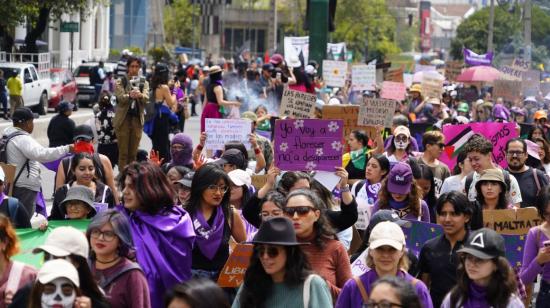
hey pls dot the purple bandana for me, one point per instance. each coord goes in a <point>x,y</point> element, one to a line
<point>209,237</point>
<point>372,191</point>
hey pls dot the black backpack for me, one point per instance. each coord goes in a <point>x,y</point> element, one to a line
<point>94,75</point>
<point>4,152</point>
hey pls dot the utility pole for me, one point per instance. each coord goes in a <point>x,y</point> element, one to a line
<point>275,21</point>
<point>527,31</point>
<point>491,25</point>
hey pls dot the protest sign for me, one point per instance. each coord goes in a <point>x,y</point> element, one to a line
<point>258,181</point>
<point>232,274</point>
<point>512,221</point>
<point>32,238</point>
<point>363,77</point>
<point>221,131</point>
<point>473,59</point>
<point>297,104</point>
<point>456,137</point>
<point>545,89</point>
<point>376,111</point>
<point>467,94</point>
<point>308,144</point>
<point>432,85</point>
<point>393,90</point>
<point>334,73</point>
<point>418,232</point>
<point>348,114</point>
<point>9,172</point>
<point>530,84</point>
<point>336,51</point>
<point>296,45</point>
<point>424,68</point>
<point>359,266</point>
<point>509,90</point>
<point>395,75</point>
<point>453,69</point>
<point>515,71</point>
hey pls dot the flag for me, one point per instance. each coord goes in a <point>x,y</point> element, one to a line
<point>455,145</point>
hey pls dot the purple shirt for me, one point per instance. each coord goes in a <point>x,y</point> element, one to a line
<point>530,268</point>
<point>398,206</point>
<point>350,296</point>
<point>477,298</point>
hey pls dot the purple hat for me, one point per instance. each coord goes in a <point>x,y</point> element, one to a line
<point>500,112</point>
<point>185,156</point>
<point>400,179</point>
<point>276,59</point>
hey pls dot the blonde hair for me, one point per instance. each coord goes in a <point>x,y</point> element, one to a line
<point>403,263</point>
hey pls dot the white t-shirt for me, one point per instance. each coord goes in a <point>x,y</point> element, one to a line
<point>514,195</point>
<point>452,183</point>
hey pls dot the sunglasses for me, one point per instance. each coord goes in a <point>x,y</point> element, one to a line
<point>271,251</point>
<point>300,210</point>
<point>441,144</point>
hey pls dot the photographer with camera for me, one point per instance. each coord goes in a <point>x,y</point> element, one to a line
<point>132,93</point>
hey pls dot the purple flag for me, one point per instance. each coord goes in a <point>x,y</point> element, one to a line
<point>305,145</point>
<point>473,59</point>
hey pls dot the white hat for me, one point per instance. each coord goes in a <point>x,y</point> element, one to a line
<point>293,61</point>
<point>58,268</point>
<point>530,99</point>
<point>462,120</point>
<point>240,177</point>
<point>387,233</point>
<point>2,174</point>
<point>64,241</point>
<point>127,52</point>
<point>205,68</point>
<point>310,70</point>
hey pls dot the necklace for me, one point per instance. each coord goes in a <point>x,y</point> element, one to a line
<point>107,262</point>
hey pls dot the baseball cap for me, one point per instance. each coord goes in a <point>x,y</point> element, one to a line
<point>234,157</point>
<point>463,107</point>
<point>65,106</point>
<point>416,88</point>
<point>400,179</point>
<point>387,233</point>
<point>250,116</point>
<point>161,68</point>
<point>310,70</point>
<point>83,132</point>
<point>240,177</point>
<point>187,179</point>
<point>79,193</point>
<point>64,241</point>
<point>127,52</point>
<point>267,67</point>
<point>540,114</point>
<point>23,114</point>
<point>402,130</point>
<point>276,59</point>
<point>386,215</point>
<point>58,268</point>
<point>484,244</point>
<point>2,175</point>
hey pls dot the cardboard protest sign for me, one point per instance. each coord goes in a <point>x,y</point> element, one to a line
<point>432,86</point>
<point>395,75</point>
<point>308,144</point>
<point>363,77</point>
<point>456,137</point>
<point>515,71</point>
<point>9,172</point>
<point>418,232</point>
<point>334,73</point>
<point>509,90</point>
<point>453,69</point>
<point>512,221</point>
<point>530,84</point>
<point>258,181</point>
<point>376,111</point>
<point>393,90</point>
<point>221,131</point>
<point>467,94</point>
<point>348,114</point>
<point>297,104</point>
<point>32,238</point>
<point>232,274</point>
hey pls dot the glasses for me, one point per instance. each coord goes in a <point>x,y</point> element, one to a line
<point>440,145</point>
<point>300,210</point>
<point>221,189</point>
<point>275,213</point>
<point>271,251</point>
<point>474,260</point>
<point>515,153</point>
<point>382,304</point>
<point>107,235</point>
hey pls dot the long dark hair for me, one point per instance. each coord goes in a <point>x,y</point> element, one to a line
<point>459,160</point>
<point>77,158</point>
<point>121,227</point>
<point>321,227</point>
<point>545,148</point>
<point>35,298</point>
<point>502,203</point>
<point>257,283</point>
<point>160,77</point>
<point>413,198</point>
<point>206,175</point>
<point>403,289</point>
<point>198,293</point>
<point>289,179</point>
<point>384,164</point>
<point>427,174</point>
<point>501,285</point>
<point>533,129</point>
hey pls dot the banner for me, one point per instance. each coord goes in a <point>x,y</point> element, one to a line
<point>308,144</point>
<point>232,274</point>
<point>432,86</point>
<point>297,104</point>
<point>220,131</point>
<point>418,232</point>
<point>393,90</point>
<point>363,76</point>
<point>473,59</point>
<point>509,90</point>
<point>348,114</point>
<point>512,221</point>
<point>453,69</point>
<point>297,47</point>
<point>456,137</point>
<point>376,111</point>
<point>334,73</point>
<point>32,238</point>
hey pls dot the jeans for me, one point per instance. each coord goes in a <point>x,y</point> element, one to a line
<point>543,299</point>
<point>198,273</point>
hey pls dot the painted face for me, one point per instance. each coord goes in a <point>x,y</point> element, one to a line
<point>384,294</point>
<point>301,183</point>
<point>303,215</point>
<point>451,221</point>
<point>77,209</point>
<point>213,195</point>
<point>104,241</point>
<point>273,259</point>
<point>386,258</point>
<point>479,270</point>
<point>60,293</point>
<point>490,190</point>
<point>373,172</point>
<point>401,142</point>
<point>129,195</point>
<point>84,172</point>
<point>270,209</point>
<point>479,161</point>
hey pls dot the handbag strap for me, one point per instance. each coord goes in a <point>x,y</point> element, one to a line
<point>362,289</point>
<point>307,287</point>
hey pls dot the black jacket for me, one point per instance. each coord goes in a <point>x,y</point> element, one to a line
<point>60,130</point>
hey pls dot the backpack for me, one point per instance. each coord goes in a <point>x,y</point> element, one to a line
<point>94,76</point>
<point>4,153</point>
<point>105,282</point>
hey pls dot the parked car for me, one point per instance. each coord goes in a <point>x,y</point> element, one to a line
<point>86,91</point>
<point>36,88</point>
<point>63,87</point>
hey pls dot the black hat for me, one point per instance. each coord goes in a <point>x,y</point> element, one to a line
<point>187,179</point>
<point>268,67</point>
<point>161,68</point>
<point>386,215</point>
<point>485,244</point>
<point>65,106</point>
<point>277,231</point>
<point>83,132</point>
<point>234,157</point>
<point>23,114</point>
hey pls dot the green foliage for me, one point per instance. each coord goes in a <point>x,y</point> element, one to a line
<point>159,54</point>
<point>136,50</point>
<point>114,52</point>
<point>178,23</point>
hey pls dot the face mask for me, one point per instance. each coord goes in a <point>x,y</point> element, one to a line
<point>181,157</point>
<point>57,297</point>
<point>400,145</point>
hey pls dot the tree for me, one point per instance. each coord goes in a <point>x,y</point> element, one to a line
<point>178,23</point>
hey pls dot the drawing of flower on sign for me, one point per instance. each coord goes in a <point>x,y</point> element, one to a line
<point>283,147</point>
<point>299,124</point>
<point>333,126</point>
<point>336,145</point>
<point>310,166</point>
<point>319,152</point>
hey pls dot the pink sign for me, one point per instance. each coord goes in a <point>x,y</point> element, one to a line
<point>456,137</point>
<point>393,90</point>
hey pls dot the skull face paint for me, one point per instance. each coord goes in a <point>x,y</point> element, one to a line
<point>59,293</point>
<point>401,142</point>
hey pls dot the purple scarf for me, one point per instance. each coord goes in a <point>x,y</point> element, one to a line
<point>477,297</point>
<point>209,237</point>
<point>372,191</point>
<point>2,197</point>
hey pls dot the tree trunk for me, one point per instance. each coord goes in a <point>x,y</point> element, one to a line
<point>37,30</point>
<point>7,43</point>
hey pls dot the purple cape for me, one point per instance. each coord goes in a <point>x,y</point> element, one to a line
<point>164,244</point>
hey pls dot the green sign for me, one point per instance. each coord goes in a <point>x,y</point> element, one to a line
<point>71,26</point>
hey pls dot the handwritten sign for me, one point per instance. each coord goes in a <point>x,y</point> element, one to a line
<point>457,135</point>
<point>334,73</point>
<point>510,221</point>
<point>221,131</point>
<point>9,172</point>
<point>297,104</point>
<point>376,111</point>
<point>363,77</point>
<point>359,266</point>
<point>393,90</point>
<point>308,144</point>
<point>395,75</point>
<point>232,274</point>
<point>453,69</point>
<point>509,90</point>
<point>514,71</point>
<point>348,114</point>
<point>432,86</point>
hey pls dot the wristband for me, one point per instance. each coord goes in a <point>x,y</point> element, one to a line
<point>257,151</point>
<point>199,147</point>
<point>345,188</point>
